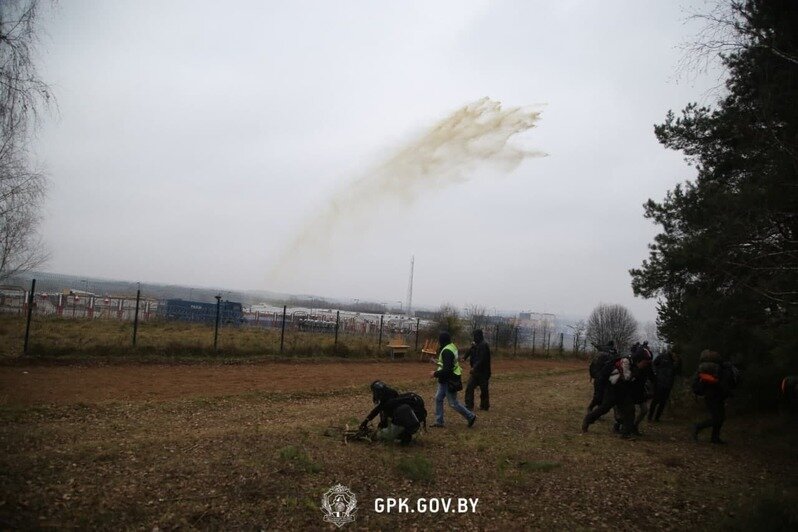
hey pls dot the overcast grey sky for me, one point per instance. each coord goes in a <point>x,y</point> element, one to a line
<point>194,139</point>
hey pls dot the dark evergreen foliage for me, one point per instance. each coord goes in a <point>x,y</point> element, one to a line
<point>725,264</point>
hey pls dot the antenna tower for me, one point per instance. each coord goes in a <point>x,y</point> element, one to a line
<point>409,307</point>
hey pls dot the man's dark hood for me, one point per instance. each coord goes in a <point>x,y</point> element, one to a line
<point>444,339</point>
<point>479,336</point>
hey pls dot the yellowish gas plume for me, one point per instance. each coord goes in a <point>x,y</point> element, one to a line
<point>474,137</point>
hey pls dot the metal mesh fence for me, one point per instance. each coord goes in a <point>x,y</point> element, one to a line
<point>91,320</point>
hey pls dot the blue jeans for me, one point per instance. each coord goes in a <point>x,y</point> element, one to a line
<point>444,393</point>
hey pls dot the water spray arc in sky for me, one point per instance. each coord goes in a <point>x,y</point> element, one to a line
<point>473,137</point>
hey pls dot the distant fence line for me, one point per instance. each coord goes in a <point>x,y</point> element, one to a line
<point>383,328</point>
<point>82,306</point>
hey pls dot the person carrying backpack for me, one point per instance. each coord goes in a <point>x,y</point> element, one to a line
<point>640,386</point>
<point>401,415</point>
<point>789,393</point>
<point>665,370</point>
<point>613,381</point>
<point>604,354</point>
<point>715,380</point>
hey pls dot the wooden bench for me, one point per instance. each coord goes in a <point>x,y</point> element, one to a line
<point>398,347</point>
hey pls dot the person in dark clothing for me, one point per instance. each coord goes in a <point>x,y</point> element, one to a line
<point>614,382</point>
<point>789,394</point>
<point>715,395</point>
<point>665,369</point>
<point>639,387</point>
<point>605,354</point>
<point>398,420</point>
<point>479,359</point>
<point>449,373</point>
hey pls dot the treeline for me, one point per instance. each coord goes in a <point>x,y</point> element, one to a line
<point>725,263</point>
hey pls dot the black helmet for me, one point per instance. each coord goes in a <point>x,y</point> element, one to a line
<point>381,391</point>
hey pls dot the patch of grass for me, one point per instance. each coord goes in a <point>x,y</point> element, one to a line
<point>767,512</point>
<point>415,467</point>
<point>298,458</point>
<point>673,461</point>
<point>538,465</point>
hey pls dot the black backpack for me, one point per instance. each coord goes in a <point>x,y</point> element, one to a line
<point>417,404</point>
<point>597,363</point>
<point>698,386</point>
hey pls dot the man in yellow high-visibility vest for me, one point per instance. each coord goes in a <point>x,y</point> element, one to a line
<point>450,382</point>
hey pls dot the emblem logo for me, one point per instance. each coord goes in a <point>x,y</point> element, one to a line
<point>339,505</point>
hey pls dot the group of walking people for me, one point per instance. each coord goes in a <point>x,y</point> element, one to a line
<point>627,383</point>
<point>634,386</point>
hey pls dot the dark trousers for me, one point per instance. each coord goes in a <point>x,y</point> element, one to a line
<point>661,396</point>
<point>474,381</point>
<point>717,415</point>
<point>598,391</point>
<point>614,398</point>
<point>405,417</point>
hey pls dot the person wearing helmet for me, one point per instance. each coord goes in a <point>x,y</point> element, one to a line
<point>398,419</point>
<point>449,373</point>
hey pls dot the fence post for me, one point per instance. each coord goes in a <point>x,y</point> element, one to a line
<point>30,315</point>
<point>515,341</point>
<point>282,331</point>
<point>418,324</point>
<point>496,338</point>
<point>562,338</point>
<point>337,320</point>
<point>136,317</point>
<point>533,341</point>
<point>216,327</point>
<point>379,342</point>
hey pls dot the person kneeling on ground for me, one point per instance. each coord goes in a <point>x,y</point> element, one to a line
<point>399,413</point>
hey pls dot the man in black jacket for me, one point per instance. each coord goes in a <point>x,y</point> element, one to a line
<point>665,371</point>
<point>479,358</point>
<point>398,420</point>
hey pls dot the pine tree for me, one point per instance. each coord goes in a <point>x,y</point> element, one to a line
<point>725,265</point>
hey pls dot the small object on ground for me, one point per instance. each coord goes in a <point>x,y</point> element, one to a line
<point>360,433</point>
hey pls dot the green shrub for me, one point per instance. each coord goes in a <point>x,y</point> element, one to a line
<point>298,458</point>
<point>415,467</point>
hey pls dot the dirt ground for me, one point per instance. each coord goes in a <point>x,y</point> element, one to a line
<point>92,383</point>
<point>256,446</point>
